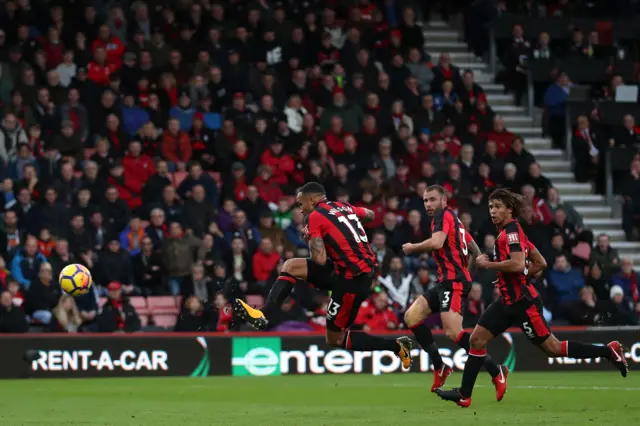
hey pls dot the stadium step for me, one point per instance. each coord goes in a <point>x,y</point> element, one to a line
<point>595,212</point>
<point>500,99</point>
<point>517,121</point>
<point>458,57</point>
<point>553,165</point>
<point>615,235</point>
<point>560,177</point>
<point>509,109</point>
<point>583,200</point>
<point>574,188</point>
<point>444,46</point>
<point>607,223</point>
<point>538,144</point>
<point>526,132</point>
<point>546,154</point>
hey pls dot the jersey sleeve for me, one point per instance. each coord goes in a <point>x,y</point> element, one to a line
<point>315,225</point>
<point>467,235</point>
<point>513,239</point>
<point>442,222</point>
<point>359,211</point>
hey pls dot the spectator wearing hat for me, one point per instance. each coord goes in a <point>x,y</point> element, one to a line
<point>118,315</point>
<point>625,311</point>
<point>176,146</point>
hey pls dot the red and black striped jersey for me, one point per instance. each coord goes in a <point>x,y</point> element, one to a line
<point>346,242</point>
<point>514,286</point>
<point>452,259</point>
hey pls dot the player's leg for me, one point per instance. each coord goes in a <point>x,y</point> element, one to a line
<point>453,297</point>
<point>535,327</point>
<point>414,318</point>
<point>493,322</point>
<point>292,270</point>
<point>341,313</point>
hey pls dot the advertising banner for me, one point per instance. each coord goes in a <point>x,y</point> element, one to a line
<point>108,356</point>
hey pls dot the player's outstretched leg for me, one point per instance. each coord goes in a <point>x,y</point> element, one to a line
<point>360,341</point>
<point>292,270</point>
<point>414,319</point>
<point>613,351</point>
<point>498,373</point>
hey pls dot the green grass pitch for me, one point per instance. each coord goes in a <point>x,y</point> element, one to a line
<point>533,399</point>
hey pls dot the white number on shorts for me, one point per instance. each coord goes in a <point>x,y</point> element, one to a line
<point>347,220</point>
<point>332,309</point>
<point>527,329</point>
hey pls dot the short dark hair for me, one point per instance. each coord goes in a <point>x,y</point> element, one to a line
<point>312,188</point>
<point>511,200</point>
<point>437,188</point>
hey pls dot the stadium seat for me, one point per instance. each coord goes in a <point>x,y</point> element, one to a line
<point>162,305</point>
<point>178,301</point>
<point>178,177</point>
<point>165,320</point>
<point>255,300</point>
<point>144,320</point>
<point>140,305</point>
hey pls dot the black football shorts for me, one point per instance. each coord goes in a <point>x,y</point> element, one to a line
<point>527,314</point>
<point>346,297</point>
<point>448,296</point>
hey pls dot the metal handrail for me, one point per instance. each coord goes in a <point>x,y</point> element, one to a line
<point>609,178</point>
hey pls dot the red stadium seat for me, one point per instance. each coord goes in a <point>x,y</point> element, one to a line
<point>255,300</point>
<point>178,177</point>
<point>140,305</point>
<point>165,320</point>
<point>162,305</point>
<point>179,301</point>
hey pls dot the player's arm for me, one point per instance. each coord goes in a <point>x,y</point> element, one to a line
<point>442,222</point>
<point>517,260</point>
<point>316,243</point>
<point>537,263</point>
<point>365,215</point>
<point>474,252</point>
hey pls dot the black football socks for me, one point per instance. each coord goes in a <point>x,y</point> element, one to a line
<point>424,338</point>
<point>359,341</point>
<point>491,367</point>
<point>584,350</point>
<point>472,367</point>
<point>280,290</point>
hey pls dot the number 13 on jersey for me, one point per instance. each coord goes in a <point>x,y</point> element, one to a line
<point>350,221</point>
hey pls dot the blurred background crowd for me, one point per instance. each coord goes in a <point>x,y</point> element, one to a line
<point>160,143</point>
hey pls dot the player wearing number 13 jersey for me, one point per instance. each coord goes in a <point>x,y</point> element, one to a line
<point>450,246</point>
<point>519,302</point>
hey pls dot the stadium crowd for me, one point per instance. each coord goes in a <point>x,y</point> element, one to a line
<point>161,145</point>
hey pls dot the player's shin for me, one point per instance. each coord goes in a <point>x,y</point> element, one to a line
<point>491,367</point>
<point>424,337</point>
<point>360,341</point>
<point>472,367</point>
<point>584,350</point>
<point>280,290</point>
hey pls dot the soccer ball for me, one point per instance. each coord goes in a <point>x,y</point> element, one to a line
<point>75,279</point>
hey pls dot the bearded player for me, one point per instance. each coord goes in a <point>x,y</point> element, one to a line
<point>336,233</point>
<point>453,249</point>
<point>519,303</point>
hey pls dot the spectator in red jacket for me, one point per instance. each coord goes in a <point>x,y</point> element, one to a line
<point>334,136</point>
<point>264,262</point>
<point>53,48</point>
<point>98,70</point>
<point>137,165</point>
<point>413,159</point>
<point>448,135</point>
<point>176,146</point>
<point>376,315</point>
<point>129,188</point>
<point>539,208</point>
<point>112,44</point>
<point>280,162</point>
<point>502,137</point>
<point>268,187</point>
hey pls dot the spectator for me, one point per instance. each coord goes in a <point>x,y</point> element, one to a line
<point>596,280</point>
<point>626,135</point>
<point>627,279</point>
<point>114,265</point>
<point>175,146</point>
<point>26,264</point>
<point>269,229</point>
<point>148,268</point>
<point>198,284</point>
<point>118,315</point>
<point>376,315</point>
<point>43,295</point>
<point>606,256</point>
<point>513,58</point>
<point>625,311</point>
<point>540,183</point>
<point>587,310</point>
<point>565,281</point>
<point>264,261</point>
<point>243,229</point>
<point>502,137</point>
<point>555,99</point>
<point>12,319</point>
<point>554,202</point>
<point>11,135</point>
<point>198,177</point>
<point>631,207</point>
<point>61,256</point>
<point>131,236</point>
<point>194,316</point>
<point>399,284</point>
<point>179,252</point>
<point>588,150</point>
<point>66,315</point>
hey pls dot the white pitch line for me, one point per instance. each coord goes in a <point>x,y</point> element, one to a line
<point>589,388</point>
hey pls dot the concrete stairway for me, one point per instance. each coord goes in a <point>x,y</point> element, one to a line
<point>598,215</point>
